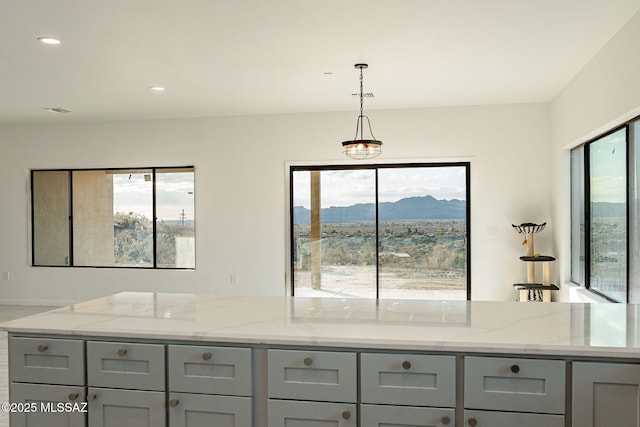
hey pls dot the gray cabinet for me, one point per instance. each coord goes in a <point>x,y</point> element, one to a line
<point>515,385</point>
<point>406,416</point>
<point>474,418</point>
<point>286,413</point>
<point>126,384</point>
<point>42,373</point>
<point>210,386</point>
<point>425,382</point>
<point>201,410</point>
<point>310,388</point>
<point>210,370</point>
<point>508,392</point>
<point>46,360</point>
<point>408,379</point>
<point>606,394</point>
<point>126,408</point>
<point>329,376</point>
<point>125,365</point>
<point>55,405</point>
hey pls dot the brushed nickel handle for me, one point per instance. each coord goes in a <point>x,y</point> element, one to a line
<point>346,415</point>
<point>121,352</point>
<point>308,361</point>
<point>42,348</point>
<point>472,422</point>
<point>515,369</point>
<point>73,396</point>
<point>206,356</point>
<point>446,420</point>
<point>406,365</point>
<point>173,403</point>
<point>91,397</point>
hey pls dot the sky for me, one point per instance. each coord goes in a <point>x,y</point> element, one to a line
<point>608,168</point>
<point>174,192</point>
<point>349,187</point>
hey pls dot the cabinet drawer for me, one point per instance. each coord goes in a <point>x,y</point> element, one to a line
<point>48,361</point>
<point>406,416</point>
<point>111,407</point>
<point>192,410</point>
<point>312,375</point>
<point>408,379</point>
<point>511,419</point>
<point>210,370</point>
<point>287,413</point>
<point>125,365</point>
<point>522,385</point>
<point>47,397</point>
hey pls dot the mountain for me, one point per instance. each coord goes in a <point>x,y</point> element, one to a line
<point>411,208</point>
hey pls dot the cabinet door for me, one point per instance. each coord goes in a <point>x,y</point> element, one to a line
<point>210,370</point>
<point>408,379</point>
<point>47,398</point>
<point>516,385</point>
<point>198,410</point>
<point>290,413</point>
<point>329,376</point>
<point>48,361</point>
<point>125,365</point>
<point>606,394</point>
<point>406,416</point>
<point>126,408</point>
<point>511,419</point>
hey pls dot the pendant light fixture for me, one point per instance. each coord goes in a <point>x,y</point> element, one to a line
<point>360,148</point>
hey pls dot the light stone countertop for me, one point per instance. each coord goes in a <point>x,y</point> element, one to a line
<point>562,329</point>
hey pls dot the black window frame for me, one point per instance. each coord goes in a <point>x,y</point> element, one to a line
<point>71,213</point>
<point>376,167</point>
<point>586,165</point>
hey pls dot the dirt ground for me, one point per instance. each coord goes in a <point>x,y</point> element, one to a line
<point>398,283</point>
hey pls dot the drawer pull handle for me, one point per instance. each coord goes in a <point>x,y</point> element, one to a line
<point>173,403</point>
<point>121,352</point>
<point>73,396</point>
<point>91,397</point>
<point>406,365</point>
<point>42,348</point>
<point>308,361</point>
<point>515,369</point>
<point>446,420</point>
<point>206,356</point>
<point>472,422</point>
<point>346,415</point>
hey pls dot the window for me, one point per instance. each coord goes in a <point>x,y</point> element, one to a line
<point>140,218</point>
<point>381,231</point>
<point>604,214</point>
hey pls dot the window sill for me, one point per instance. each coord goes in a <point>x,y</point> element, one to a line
<point>577,293</point>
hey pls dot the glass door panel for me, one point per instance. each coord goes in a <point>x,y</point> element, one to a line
<point>423,232</point>
<point>334,233</point>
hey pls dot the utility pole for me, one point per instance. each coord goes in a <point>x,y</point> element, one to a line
<point>182,216</point>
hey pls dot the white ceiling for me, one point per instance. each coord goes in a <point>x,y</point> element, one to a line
<point>238,57</point>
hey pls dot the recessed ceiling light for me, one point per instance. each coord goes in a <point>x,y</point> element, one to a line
<point>49,40</point>
<point>157,88</point>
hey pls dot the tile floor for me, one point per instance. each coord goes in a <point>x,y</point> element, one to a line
<point>10,312</point>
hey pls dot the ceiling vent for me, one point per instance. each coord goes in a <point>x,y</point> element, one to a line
<point>57,110</point>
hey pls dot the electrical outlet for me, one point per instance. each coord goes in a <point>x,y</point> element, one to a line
<point>234,278</point>
<point>5,275</point>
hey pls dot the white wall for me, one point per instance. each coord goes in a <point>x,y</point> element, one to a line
<point>603,95</point>
<point>241,196</point>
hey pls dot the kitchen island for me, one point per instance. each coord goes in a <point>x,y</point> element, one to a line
<point>162,359</point>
